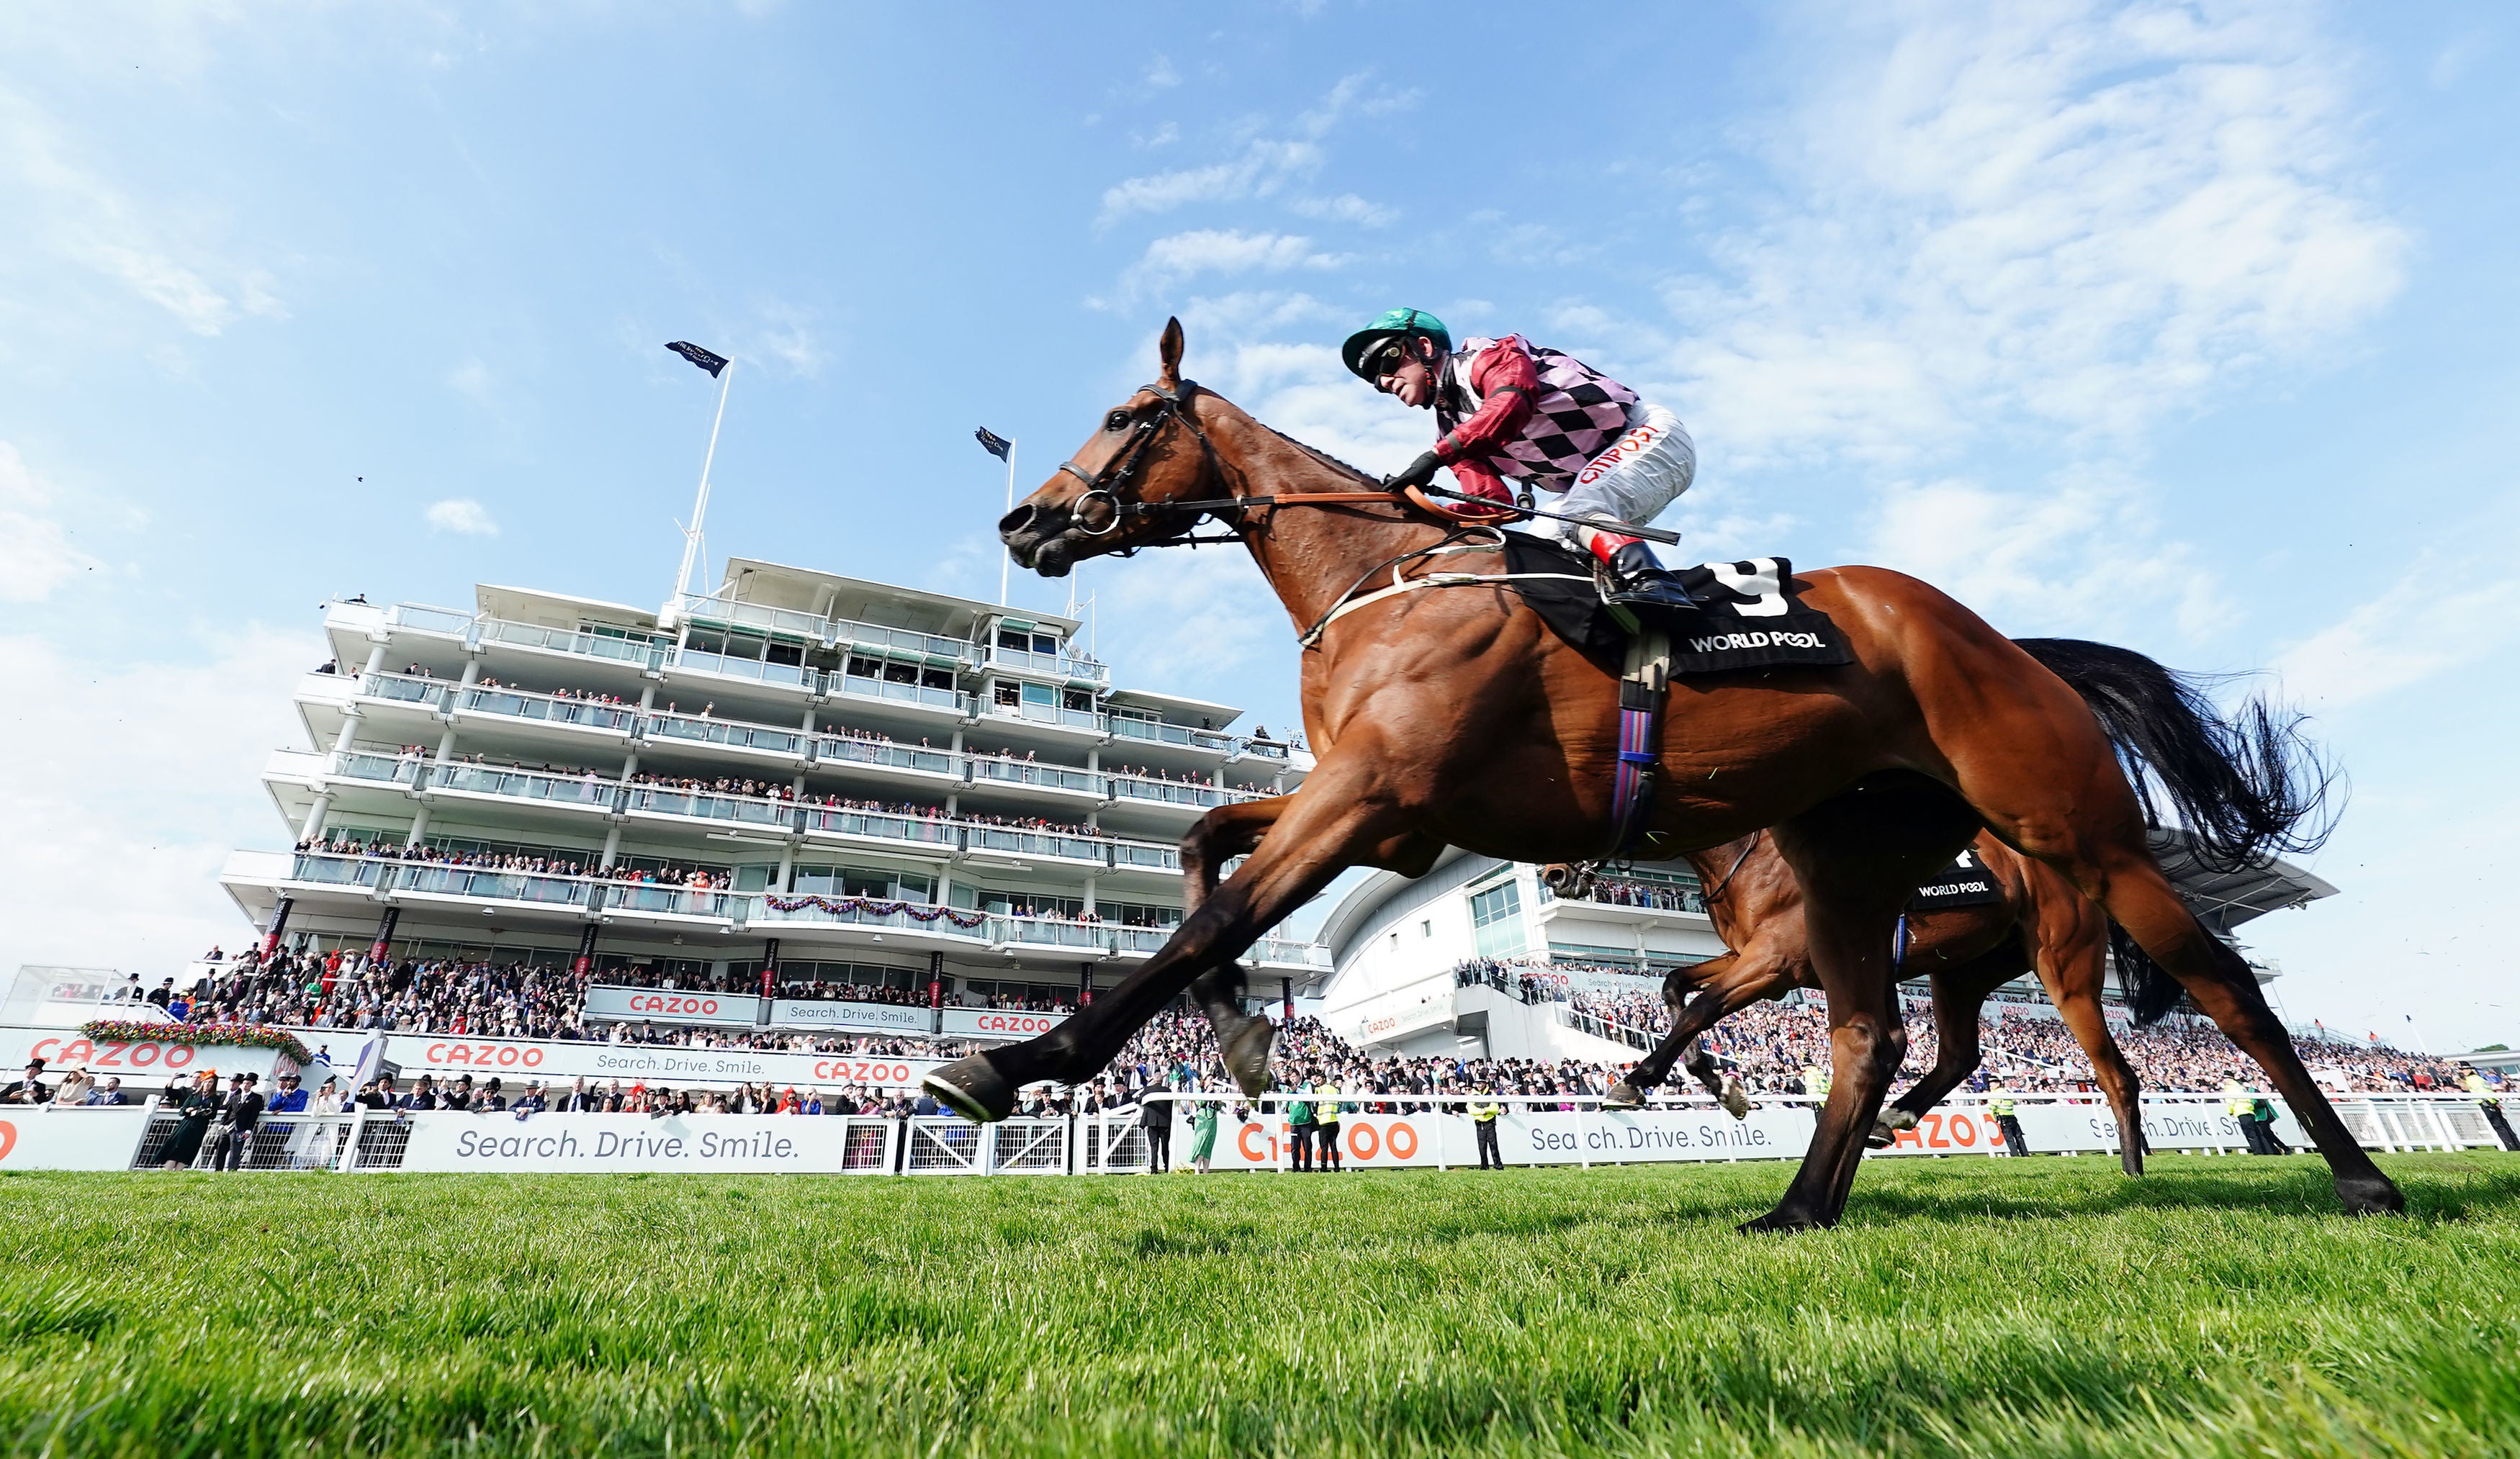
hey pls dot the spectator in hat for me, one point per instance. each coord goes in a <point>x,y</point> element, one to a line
<point>531,1101</point>
<point>194,1112</point>
<point>239,1117</point>
<point>75,1089</point>
<point>27,1090</point>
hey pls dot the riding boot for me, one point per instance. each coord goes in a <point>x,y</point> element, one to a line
<point>1641,587</point>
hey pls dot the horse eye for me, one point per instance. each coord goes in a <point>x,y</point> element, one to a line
<point>1119,420</point>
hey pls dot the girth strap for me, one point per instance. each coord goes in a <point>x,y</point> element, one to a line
<point>1643,688</point>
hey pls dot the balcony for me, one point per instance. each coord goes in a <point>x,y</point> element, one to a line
<point>732,733</point>
<point>704,805</point>
<point>644,899</point>
<point>476,885</point>
<point>991,770</point>
<point>955,653</point>
<point>929,833</point>
<point>587,792</point>
<point>755,615</point>
<point>1144,856</point>
<point>1156,732</point>
<point>454,623</point>
<point>1053,715</point>
<point>387,770</point>
<point>1051,665</point>
<point>829,911</point>
<point>403,688</point>
<point>861,686</point>
<point>842,750</point>
<point>1175,793</point>
<point>547,709</point>
<point>638,655</point>
<point>945,653</point>
<point>760,670</point>
<point>1008,841</point>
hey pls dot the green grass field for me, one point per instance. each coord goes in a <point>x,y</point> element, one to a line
<point>2219,1307</point>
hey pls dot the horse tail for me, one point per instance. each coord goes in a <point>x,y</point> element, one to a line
<point>2246,788</point>
<point>2150,992</point>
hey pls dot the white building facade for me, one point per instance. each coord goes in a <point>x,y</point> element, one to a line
<point>848,782</point>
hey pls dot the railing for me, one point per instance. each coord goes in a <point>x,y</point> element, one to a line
<point>644,897</point>
<point>494,886</point>
<point>1033,772</point>
<point>863,687</point>
<point>549,709</point>
<point>840,821</point>
<point>1145,856</point>
<point>521,785</point>
<point>1050,932</point>
<point>705,804</point>
<point>402,689</point>
<point>1058,665</point>
<point>1156,732</point>
<point>431,620</point>
<point>1034,844</point>
<point>1050,714</point>
<point>1605,1027</point>
<point>1643,896</point>
<point>647,655</point>
<point>339,871</point>
<point>831,748</point>
<point>733,733</point>
<point>763,670</point>
<point>1174,792</point>
<point>877,636</point>
<point>392,768</point>
<point>757,615</point>
<point>902,921</point>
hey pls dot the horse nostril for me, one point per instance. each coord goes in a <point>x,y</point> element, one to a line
<point>1016,520</point>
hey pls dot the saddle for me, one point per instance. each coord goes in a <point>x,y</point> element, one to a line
<point>1746,616</point>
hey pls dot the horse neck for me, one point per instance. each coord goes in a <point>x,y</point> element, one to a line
<point>1310,556</point>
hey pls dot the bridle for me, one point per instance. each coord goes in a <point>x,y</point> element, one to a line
<point>1116,483</point>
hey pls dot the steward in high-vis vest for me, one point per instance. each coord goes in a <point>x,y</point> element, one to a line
<point>1326,1118</point>
<point>2241,1105</point>
<point>1511,408</point>
<point>2000,1104</point>
<point>1483,1117</point>
<point>2483,1093</point>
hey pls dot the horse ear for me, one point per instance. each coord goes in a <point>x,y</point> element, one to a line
<point>1170,349</point>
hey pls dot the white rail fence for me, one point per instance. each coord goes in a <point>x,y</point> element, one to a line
<point>1425,1131</point>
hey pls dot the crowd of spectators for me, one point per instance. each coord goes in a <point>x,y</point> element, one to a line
<point>690,878</point>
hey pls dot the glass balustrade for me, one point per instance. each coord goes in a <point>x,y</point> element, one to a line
<point>1058,665</point>
<point>402,689</point>
<point>1140,939</point>
<point>762,670</point>
<point>864,687</point>
<point>1138,853</point>
<point>1171,792</point>
<point>832,749</point>
<point>1032,773</point>
<point>875,636</point>
<point>431,620</point>
<point>594,793</point>
<point>741,737</point>
<point>706,805</point>
<point>1037,932</point>
<point>548,710</point>
<point>672,900</point>
<point>345,871</point>
<point>757,615</point>
<point>1034,844</point>
<point>1151,731</point>
<point>390,769</point>
<point>493,885</point>
<point>566,641</point>
<point>840,821</point>
<point>900,920</point>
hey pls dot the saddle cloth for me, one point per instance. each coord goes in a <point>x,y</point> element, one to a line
<point>1750,614</point>
<point>1965,882</point>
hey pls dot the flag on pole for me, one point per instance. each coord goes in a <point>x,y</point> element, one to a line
<point>708,360</point>
<point>993,443</point>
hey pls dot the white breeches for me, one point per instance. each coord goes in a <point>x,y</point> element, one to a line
<point>1642,472</point>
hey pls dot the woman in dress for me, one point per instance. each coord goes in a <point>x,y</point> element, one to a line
<point>1202,1133</point>
<point>193,1121</point>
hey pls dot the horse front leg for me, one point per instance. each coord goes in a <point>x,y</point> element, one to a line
<point>1959,997</point>
<point>1324,834</point>
<point>1734,986</point>
<point>1242,1039</point>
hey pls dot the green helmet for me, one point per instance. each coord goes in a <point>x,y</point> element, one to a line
<point>1397,323</point>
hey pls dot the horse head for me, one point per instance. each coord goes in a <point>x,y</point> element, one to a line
<point>1115,495</point>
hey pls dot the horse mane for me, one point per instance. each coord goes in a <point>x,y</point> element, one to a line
<point>1317,453</point>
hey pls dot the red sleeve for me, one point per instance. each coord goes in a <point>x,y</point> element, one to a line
<point>1478,481</point>
<point>1507,381</point>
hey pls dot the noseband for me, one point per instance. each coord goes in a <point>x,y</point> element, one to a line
<point>1119,474</point>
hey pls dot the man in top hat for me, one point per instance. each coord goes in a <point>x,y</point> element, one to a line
<point>27,1090</point>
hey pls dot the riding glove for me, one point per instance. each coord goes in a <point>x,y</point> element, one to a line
<point>1418,472</point>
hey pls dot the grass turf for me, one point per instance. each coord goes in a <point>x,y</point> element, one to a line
<point>2220,1306</point>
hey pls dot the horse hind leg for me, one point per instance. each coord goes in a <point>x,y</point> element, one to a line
<point>2073,967</point>
<point>1959,997</point>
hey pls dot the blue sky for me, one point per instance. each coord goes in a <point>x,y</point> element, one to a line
<point>2186,328</point>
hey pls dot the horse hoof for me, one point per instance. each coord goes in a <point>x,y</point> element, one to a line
<point>974,1088</point>
<point>1247,1056</point>
<point>1882,1136</point>
<point>1896,1120</point>
<point>1783,1219</point>
<point>1623,1096</point>
<point>2375,1196</point>
<point>1736,1100</point>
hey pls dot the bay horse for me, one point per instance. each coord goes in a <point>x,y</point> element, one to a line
<point>2038,923</point>
<point>1454,716</point>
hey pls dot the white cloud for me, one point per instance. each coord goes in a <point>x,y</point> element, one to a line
<point>35,553</point>
<point>462,514</point>
<point>2426,621</point>
<point>470,379</point>
<point>1161,72</point>
<point>1214,251</point>
<point>2083,553</point>
<point>1347,207</point>
<point>789,338</point>
<point>57,203</point>
<point>2051,213</point>
<point>1264,167</point>
<point>117,828</point>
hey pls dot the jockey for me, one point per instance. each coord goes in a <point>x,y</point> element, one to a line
<point>1511,408</point>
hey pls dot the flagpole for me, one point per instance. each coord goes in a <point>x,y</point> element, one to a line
<point>700,509</point>
<point>1003,557</point>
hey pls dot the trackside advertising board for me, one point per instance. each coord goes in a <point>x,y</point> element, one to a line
<point>870,1018</point>
<point>39,1137</point>
<point>1547,1138</point>
<point>143,1066</point>
<point>559,1062</point>
<point>667,1005</point>
<point>601,1144</point>
<point>998,1023</point>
